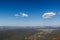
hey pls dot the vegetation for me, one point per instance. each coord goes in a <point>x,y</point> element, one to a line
<point>29,34</point>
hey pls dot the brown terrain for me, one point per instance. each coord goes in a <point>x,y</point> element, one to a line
<point>30,35</point>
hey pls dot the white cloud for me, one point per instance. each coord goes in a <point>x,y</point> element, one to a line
<point>23,14</point>
<point>17,15</point>
<point>48,14</point>
<point>59,12</point>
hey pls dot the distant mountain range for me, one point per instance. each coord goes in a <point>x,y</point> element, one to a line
<point>27,27</point>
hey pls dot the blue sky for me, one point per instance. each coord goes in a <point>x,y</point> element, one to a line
<point>29,12</point>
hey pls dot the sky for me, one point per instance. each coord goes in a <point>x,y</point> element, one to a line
<point>29,12</point>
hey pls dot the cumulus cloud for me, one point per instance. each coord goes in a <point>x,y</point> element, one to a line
<point>23,14</point>
<point>59,12</point>
<point>48,14</point>
<point>17,15</point>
